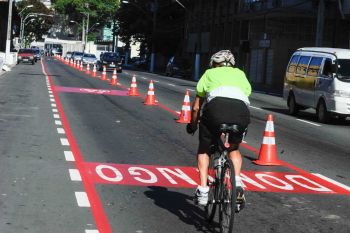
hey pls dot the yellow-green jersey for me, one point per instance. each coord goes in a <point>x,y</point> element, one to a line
<point>226,82</point>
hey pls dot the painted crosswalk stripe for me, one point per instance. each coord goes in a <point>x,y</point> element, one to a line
<point>74,175</point>
<point>69,156</point>
<point>82,199</point>
<point>64,141</point>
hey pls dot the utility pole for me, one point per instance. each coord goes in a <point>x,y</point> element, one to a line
<point>154,9</point>
<point>83,36</point>
<point>198,45</point>
<point>320,23</point>
<point>8,37</point>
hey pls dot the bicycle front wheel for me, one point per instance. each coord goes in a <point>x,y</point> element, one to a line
<point>228,197</point>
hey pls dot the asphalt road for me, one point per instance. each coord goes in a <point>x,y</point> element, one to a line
<point>86,159</point>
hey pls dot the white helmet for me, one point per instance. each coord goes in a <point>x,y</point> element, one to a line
<point>222,56</point>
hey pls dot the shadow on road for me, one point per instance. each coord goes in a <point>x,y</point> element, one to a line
<point>52,75</point>
<point>183,207</point>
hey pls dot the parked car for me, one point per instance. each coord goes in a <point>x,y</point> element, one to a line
<point>26,56</point>
<point>110,61</point>
<point>69,55</point>
<point>89,58</point>
<point>319,78</point>
<point>178,66</point>
<point>37,54</point>
<point>77,56</point>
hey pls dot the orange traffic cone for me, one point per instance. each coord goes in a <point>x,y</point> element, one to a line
<point>88,68</point>
<point>267,154</point>
<point>114,80</point>
<point>133,88</point>
<point>150,99</point>
<point>104,74</point>
<point>185,115</point>
<point>70,62</point>
<point>94,71</point>
<point>81,66</point>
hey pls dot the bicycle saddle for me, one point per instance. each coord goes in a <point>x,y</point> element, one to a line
<point>231,128</point>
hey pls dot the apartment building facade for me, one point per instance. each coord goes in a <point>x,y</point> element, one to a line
<point>264,33</point>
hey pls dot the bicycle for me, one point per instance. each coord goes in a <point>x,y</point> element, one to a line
<point>221,180</point>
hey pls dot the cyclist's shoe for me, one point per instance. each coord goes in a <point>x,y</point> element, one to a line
<point>240,201</point>
<point>201,196</point>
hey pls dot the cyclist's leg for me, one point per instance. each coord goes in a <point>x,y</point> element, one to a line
<point>203,165</point>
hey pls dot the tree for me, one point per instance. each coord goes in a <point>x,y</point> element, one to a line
<point>36,26</point>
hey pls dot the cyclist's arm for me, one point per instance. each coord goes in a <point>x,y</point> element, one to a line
<point>196,109</point>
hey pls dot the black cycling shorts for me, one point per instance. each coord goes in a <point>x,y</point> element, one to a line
<point>218,111</point>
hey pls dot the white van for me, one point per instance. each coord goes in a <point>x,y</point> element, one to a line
<point>319,78</point>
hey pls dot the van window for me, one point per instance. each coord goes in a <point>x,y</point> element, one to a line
<point>302,65</point>
<point>327,68</point>
<point>293,64</point>
<point>314,66</point>
<point>343,69</point>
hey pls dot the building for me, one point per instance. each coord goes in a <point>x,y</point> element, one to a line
<point>264,33</point>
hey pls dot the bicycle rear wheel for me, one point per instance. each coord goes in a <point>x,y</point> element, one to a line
<point>228,197</point>
<point>213,182</point>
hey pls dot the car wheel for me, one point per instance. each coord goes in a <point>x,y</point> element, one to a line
<point>322,114</point>
<point>293,107</point>
<point>17,62</point>
<point>33,62</point>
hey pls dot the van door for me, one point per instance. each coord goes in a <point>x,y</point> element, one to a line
<point>310,80</point>
<point>301,80</point>
<point>324,81</point>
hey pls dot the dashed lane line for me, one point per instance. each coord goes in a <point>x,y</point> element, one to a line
<point>69,156</point>
<point>58,122</point>
<point>60,131</point>
<point>74,174</point>
<point>82,199</point>
<point>64,141</point>
<point>308,122</point>
<point>56,116</point>
<point>53,105</point>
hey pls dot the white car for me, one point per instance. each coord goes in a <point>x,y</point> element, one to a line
<point>89,58</point>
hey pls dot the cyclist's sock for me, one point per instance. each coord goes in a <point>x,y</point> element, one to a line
<point>203,189</point>
<point>238,181</point>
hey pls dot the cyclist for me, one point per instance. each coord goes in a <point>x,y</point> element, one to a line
<point>225,89</point>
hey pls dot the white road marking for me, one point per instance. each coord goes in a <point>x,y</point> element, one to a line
<point>82,199</point>
<point>50,92</point>
<point>60,131</point>
<point>74,175</point>
<point>52,100</point>
<point>311,123</point>
<point>332,181</point>
<point>14,115</point>
<point>58,122</point>
<point>170,84</point>
<point>64,141</point>
<point>53,105</point>
<point>255,107</point>
<point>51,96</point>
<point>56,116</point>
<point>156,81</point>
<point>54,110</point>
<point>69,156</point>
<point>143,78</point>
<point>91,231</point>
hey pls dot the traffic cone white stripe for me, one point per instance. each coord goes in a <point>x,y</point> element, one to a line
<point>186,108</point>
<point>269,141</point>
<point>187,98</point>
<point>150,93</point>
<point>133,85</point>
<point>269,127</point>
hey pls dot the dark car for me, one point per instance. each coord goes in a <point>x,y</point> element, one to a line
<point>26,55</point>
<point>110,61</point>
<point>37,54</point>
<point>178,66</point>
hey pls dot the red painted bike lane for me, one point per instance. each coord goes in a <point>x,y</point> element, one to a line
<point>94,173</point>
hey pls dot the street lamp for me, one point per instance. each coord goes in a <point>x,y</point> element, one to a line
<point>28,16</point>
